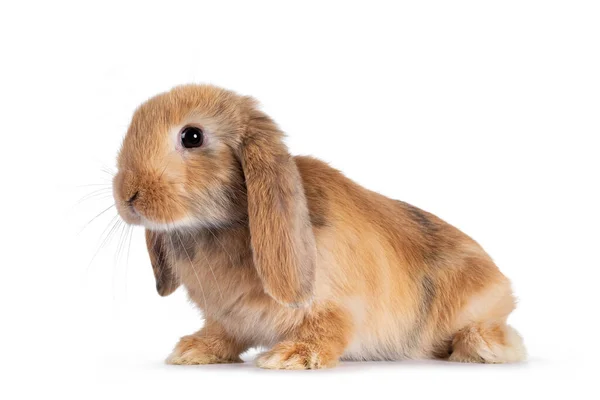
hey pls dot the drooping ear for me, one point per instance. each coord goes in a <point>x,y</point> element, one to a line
<point>166,280</point>
<point>282,238</point>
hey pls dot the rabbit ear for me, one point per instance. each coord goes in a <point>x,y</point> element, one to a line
<point>281,233</point>
<point>166,280</point>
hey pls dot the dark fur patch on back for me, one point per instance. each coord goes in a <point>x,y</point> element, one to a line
<point>420,217</point>
<point>317,201</point>
<point>428,294</point>
<point>433,243</point>
<point>314,180</point>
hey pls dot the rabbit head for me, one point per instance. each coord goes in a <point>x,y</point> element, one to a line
<point>199,157</point>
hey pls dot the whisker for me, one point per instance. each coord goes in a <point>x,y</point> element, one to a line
<point>118,255</point>
<point>93,219</point>
<point>155,239</point>
<point>111,173</point>
<point>209,264</point>
<point>176,264</point>
<point>103,193</point>
<point>95,184</point>
<point>114,222</point>
<point>178,201</point>
<point>163,171</point>
<point>130,230</point>
<point>105,189</point>
<point>193,268</point>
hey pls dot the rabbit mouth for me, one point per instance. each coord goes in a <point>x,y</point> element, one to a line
<point>134,212</point>
<point>130,215</point>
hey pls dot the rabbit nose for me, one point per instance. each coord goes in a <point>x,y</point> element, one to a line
<point>132,198</point>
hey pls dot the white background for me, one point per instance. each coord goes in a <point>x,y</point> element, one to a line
<point>484,113</point>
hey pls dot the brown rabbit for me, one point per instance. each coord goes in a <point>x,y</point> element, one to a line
<point>286,253</point>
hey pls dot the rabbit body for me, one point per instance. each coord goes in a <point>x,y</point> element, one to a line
<point>288,254</point>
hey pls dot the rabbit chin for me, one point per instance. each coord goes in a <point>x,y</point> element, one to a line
<point>187,222</point>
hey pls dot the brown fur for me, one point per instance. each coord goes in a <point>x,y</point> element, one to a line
<point>166,280</point>
<point>286,253</point>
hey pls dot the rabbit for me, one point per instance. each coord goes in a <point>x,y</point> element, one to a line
<point>286,254</point>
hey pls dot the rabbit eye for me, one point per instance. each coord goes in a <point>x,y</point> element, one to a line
<point>191,137</point>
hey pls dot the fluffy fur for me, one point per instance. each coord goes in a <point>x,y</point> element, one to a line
<point>287,253</point>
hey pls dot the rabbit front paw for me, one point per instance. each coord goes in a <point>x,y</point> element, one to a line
<point>296,355</point>
<point>193,350</point>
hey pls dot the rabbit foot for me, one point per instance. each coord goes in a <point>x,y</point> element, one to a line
<point>192,350</point>
<point>295,355</point>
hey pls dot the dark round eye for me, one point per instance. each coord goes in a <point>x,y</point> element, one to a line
<point>191,137</point>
